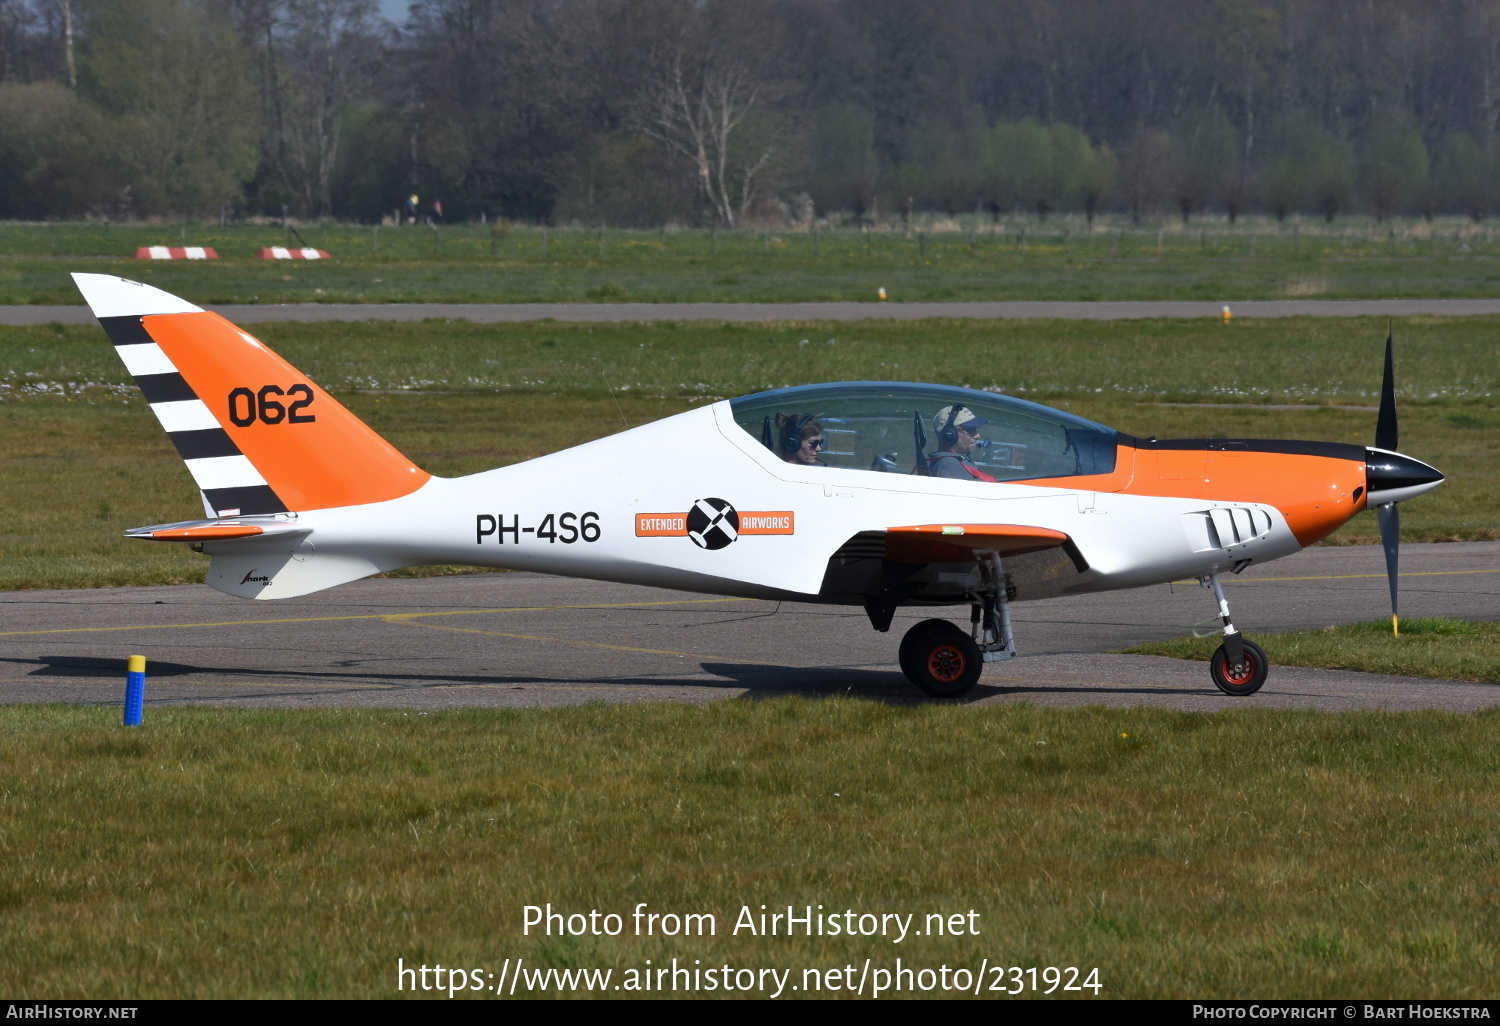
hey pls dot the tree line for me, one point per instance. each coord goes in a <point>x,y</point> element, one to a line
<point>734,112</point>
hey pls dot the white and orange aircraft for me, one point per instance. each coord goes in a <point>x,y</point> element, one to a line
<point>821,493</point>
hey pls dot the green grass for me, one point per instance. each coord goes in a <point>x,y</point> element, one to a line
<point>1291,360</point>
<point>276,853</point>
<point>1427,647</point>
<point>84,460</point>
<point>1257,259</point>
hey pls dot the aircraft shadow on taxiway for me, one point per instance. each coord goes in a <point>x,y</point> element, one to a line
<point>761,680</point>
<point>766,681</point>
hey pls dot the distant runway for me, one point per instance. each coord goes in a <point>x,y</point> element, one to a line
<point>528,639</point>
<point>495,313</point>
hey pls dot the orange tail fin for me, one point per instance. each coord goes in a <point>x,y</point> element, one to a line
<point>257,434</point>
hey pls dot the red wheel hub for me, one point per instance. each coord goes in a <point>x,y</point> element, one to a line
<point>946,664</point>
<point>1247,670</point>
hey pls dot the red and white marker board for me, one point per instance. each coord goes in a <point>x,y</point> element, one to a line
<point>283,253</point>
<point>176,253</point>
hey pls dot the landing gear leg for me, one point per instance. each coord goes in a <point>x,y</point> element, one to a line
<point>1239,666</point>
<point>989,618</point>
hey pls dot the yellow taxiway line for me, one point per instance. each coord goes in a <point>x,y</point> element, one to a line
<point>402,618</point>
<point>1340,577</point>
<point>374,616</point>
<point>394,617</point>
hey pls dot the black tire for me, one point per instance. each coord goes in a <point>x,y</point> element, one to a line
<point>945,662</point>
<point>903,654</point>
<point>1248,680</point>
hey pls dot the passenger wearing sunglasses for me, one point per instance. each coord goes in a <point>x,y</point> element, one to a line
<point>957,429</point>
<point>801,438</point>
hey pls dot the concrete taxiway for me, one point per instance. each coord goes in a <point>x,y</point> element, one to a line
<point>527,639</point>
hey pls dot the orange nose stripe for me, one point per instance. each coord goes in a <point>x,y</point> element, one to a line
<point>1316,494</point>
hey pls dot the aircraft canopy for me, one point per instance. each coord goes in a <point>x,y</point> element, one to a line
<point>894,427</point>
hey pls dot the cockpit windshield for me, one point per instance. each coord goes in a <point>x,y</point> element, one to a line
<point>897,428</point>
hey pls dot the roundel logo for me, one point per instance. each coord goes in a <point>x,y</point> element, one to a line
<point>712,523</point>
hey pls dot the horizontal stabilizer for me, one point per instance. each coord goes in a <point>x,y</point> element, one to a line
<point>267,557</point>
<point>219,530</point>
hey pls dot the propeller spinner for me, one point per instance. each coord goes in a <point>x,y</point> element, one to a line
<point>1391,477</point>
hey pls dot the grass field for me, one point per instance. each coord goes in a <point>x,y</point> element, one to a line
<point>84,459</point>
<point>1257,259</point>
<point>230,853</point>
<point>1427,647</point>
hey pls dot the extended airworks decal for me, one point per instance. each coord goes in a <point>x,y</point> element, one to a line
<point>713,523</point>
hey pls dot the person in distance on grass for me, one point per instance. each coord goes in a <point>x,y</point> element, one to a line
<point>800,438</point>
<point>957,429</point>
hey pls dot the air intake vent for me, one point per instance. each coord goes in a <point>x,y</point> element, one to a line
<point>1225,526</point>
<point>865,545</point>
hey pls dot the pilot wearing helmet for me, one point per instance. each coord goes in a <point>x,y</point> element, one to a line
<point>957,429</point>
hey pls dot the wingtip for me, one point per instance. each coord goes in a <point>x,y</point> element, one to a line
<point>111,296</point>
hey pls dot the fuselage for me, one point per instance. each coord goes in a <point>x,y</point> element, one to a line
<point>619,509</point>
<point>873,493</point>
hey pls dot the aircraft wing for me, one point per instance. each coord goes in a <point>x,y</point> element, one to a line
<point>958,543</point>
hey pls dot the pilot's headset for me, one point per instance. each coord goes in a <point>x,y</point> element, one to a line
<point>791,437</point>
<point>948,433</point>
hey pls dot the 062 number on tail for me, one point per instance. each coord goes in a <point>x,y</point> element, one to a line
<point>246,407</point>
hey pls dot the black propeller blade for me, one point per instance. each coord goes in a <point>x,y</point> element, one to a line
<point>1390,538</point>
<point>1387,436</point>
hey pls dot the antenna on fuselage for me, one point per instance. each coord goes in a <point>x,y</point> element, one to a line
<point>612,395</point>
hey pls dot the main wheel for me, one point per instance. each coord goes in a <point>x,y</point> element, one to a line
<point>903,654</point>
<point>1244,679</point>
<point>945,662</point>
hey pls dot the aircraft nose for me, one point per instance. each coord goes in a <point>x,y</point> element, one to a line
<point>1392,477</point>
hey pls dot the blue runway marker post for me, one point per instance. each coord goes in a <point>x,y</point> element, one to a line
<point>135,690</point>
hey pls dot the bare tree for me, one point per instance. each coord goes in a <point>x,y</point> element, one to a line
<point>696,111</point>
<point>1145,170</point>
<point>711,96</point>
<point>326,51</point>
<point>65,13</point>
<point>17,28</point>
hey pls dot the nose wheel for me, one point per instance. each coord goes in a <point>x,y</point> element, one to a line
<point>1243,677</point>
<point>1238,666</point>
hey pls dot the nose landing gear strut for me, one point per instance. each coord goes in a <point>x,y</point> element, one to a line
<point>1238,666</point>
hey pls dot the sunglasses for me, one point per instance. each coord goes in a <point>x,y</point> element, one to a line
<point>816,443</point>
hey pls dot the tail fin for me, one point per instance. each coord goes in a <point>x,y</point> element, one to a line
<point>257,435</point>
